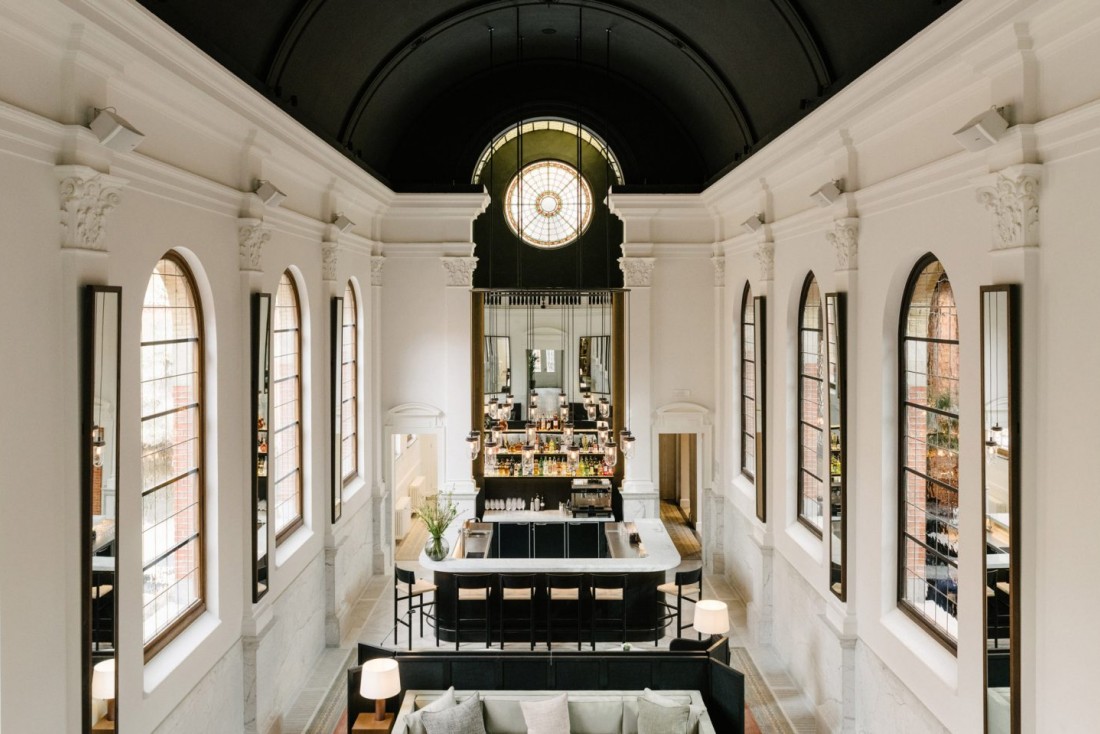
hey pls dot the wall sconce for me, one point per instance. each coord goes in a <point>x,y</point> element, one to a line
<point>473,443</point>
<point>342,223</point>
<point>268,193</point>
<point>380,679</point>
<point>983,131</point>
<point>103,685</point>
<point>827,194</point>
<point>753,223</point>
<point>113,131</point>
<point>98,442</point>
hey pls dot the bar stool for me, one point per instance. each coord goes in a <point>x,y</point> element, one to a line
<point>562,587</point>
<point>605,590</point>
<point>472,587</point>
<point>408,588</point>
<point>687,587</point>
<point>517,588</point>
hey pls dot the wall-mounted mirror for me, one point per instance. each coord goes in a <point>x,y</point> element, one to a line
<point>835,340</point>
<point>261,376</point>
<point>545,368</point>
<point>498,365</point>
<point>594,353</point>
<point>760,332</point>
<point>337,378</point>
<point>1000,480</point>
<point>101,325</point>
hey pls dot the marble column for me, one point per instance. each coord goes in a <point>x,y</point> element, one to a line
<point>458,477</point>
<point>640,497</point>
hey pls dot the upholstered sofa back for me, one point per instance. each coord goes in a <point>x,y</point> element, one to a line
<point>590,712</point>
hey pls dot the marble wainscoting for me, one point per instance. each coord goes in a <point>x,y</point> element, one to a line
<point>885,703</point>
<point>215,704</point>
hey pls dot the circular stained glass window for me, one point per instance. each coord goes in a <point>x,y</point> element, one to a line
<point>548,204</point>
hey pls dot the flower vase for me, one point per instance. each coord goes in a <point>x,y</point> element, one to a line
<point>437,548</point>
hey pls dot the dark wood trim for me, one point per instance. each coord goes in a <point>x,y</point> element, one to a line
<point>477,376</point>
<point>746,303</point>
<point>259,301</point>
<point>840,302</point>
<point>298,521</point>
<point>618,380</point>
<point>760,334</point>
<point>800,396</point>
<point>336,402</point>
<point>169,633</point>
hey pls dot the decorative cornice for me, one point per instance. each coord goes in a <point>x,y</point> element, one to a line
<point>376,263</point>
<point>251,238</point>
<point>1013,197</point>
<point>719,264</point>
<point>460,271</point>
<point>87,197</point>
<point>637,271</point>
<point>765,255</point>
<point>329,254</point>
<point>845,241</point>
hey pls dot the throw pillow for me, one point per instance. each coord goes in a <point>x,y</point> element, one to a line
<point>694,712</point>
<point>413,721</point>
<point>656,718</point>
<point>465,718</point>
<point>549,716</point>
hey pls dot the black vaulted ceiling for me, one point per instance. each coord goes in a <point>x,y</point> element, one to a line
<point>682,90</point>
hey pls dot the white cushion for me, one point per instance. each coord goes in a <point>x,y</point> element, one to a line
<point>516,594</point>
<point>420,587</point>
<point>608,594</point>
<point>472,594</point>
<point>465,718</point>
<point>564,594</point>
<point>413,721</point>
<point>656,718</point>
<point>673,589</point>
<point>547,716</point>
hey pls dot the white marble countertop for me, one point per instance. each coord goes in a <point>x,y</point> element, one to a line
<point>539,516</point>
<point>661,555</point>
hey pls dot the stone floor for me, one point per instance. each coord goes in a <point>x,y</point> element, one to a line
<point>371,621</point>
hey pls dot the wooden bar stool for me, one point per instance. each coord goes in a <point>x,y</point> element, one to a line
<point>562,587</point>
<point>472,587</point>
<point>408,588</point>
<point>687,587</point>
<point>517,588</point>
<point>605,590</point>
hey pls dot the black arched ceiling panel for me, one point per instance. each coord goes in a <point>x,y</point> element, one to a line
<point>705,81</point>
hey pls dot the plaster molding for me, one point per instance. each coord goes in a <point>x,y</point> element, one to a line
<point>765,256</point>
<point>460,271</point>
<point>376,263</point>
<point>637,271</point>
<point>1013,197</point>
<point>719,264</point>
<point>845,241</point>
<point>252,235</point>
<point>87,198</point>
<point>330,252</point>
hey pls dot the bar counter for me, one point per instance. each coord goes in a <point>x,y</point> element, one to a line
<point>643,563</point>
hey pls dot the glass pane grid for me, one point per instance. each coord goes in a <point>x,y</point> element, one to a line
<point>548,204</point>
<point>811,408</point>
<point>286,402</point>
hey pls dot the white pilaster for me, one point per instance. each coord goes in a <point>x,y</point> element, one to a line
<point>458,475</point>
<point>639,493</point>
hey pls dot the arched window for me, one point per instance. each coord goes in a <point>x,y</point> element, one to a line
<point>748,385</point>
<point>928,533</point>
<point>349,398</point>
<point>287,410</point>
<point>811,413</point>
<point>171,454</point>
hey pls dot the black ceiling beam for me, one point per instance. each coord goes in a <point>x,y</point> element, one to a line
<point>306,12</point>
<point>814,55</point>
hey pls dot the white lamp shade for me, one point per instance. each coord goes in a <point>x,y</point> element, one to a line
<point>711,617</point>
<point>103,680</point>
<point>380,679</point>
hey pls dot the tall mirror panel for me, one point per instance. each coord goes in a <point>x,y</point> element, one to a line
<point>759,314</point>
<point>261,376</point>
<point>336,374</point>
<point>1000,481</point>
<point>99,479</point>
<point>835,340</point>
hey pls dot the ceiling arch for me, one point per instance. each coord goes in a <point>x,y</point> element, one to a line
<point>685,90</point>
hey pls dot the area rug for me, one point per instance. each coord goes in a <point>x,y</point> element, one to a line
<point>758,697</point>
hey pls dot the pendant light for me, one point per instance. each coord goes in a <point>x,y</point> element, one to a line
<point>473,443</point>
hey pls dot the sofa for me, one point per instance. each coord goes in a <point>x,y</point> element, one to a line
<point>515,672</point>
<point>590,712</point>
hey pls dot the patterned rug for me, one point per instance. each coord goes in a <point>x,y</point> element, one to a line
<point>683,537</point>
<point>758,697</point>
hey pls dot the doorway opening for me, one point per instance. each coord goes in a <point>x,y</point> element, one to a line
<point>678,472</point>
<point>415,476</point>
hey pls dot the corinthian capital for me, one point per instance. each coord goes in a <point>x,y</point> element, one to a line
<point>460,271</point>
<point>251,238</point>
<point>845,241</point>
<point>87,197</point>
<point>1013,197</point>
<point>637,271</point>
<point>376,263</point>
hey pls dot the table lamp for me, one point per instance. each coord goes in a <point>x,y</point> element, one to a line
<point>380,680</point>
<point>711,617</point>
<point>103,685</point>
